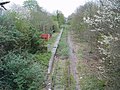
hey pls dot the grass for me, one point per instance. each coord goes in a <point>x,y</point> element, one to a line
<point>61,78</point>
<point>57,75</point>
<point>62,50</point>
<point>89,79</point>
<point>60,75</point>
<point>43,58</point>
<point>68,78</point>
<point>92,83</point>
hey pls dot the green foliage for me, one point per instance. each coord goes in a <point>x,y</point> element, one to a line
<point>21,72</point>
<point>31,4</point>
<point>107,21</point>
<point>43,58</point>
<point>59,17</point>
<point>91,83</point>
<point>23,64</point>
<point>9,39</point>
<point>99,24</point>
<point>63,52</point>
<point>68,79</point>
<point>60,51</point>
<point>39,18</point>
<point>12,37</point>
<point>77,20</point>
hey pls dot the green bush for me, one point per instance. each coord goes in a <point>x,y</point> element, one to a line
<point>23,64</point>
<point>9,39</point>
<point>12,37</point>
<point>21,72</point>
<point>44,58</point>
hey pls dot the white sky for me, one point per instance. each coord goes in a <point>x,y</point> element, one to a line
<point>66,6</point>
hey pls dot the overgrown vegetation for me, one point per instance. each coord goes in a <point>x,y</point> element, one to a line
<point>62,50</point>
<point>98,25</point>
<point>21,71</point>
<point>23,56</point>
<point>61,77</point>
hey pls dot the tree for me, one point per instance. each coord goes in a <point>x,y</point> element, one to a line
<point>107,23</point>
<point>59,17</point>
<point>100,23</point>
<point>19,42</point>
<point>78,21</point>
<point>31,5</point>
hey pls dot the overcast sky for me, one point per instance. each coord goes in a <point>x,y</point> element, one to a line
<point>66,6</point>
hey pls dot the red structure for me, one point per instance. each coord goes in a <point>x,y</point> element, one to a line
<point>45,36</point>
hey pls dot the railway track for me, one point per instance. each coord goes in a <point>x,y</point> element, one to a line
<point>62,71</point>
<point>51,62</point>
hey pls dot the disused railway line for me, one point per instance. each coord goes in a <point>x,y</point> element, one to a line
<point>61,70</point>
<point>51,61</point>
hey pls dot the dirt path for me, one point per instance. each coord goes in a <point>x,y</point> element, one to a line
<point>73,62</point>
